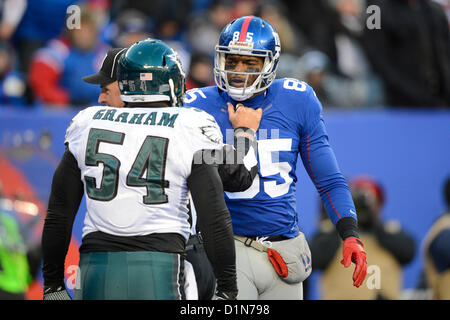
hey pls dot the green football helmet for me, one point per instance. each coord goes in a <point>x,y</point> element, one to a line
<point>150,71</point>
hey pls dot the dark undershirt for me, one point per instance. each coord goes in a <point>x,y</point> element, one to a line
<point>164,242</point>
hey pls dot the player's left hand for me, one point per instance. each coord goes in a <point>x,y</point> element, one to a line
<point>353,251</point>
<point>244,116</point>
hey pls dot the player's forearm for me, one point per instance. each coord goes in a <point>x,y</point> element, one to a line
<point>215,224</point>
<point>321,164</point>
<point>65,198</point>
<point>54,249</point>
<point>241,166</point>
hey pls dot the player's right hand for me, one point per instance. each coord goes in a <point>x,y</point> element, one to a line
<point>56,293</point>
<point>353,251</point>
<point>244,117</point>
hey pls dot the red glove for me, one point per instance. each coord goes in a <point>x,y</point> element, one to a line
<point>353,251</point>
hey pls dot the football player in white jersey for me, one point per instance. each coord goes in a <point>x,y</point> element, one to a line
<point>137,166</point>
<point>200,285</point>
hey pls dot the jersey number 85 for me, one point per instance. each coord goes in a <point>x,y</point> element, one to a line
<point>267,168</point>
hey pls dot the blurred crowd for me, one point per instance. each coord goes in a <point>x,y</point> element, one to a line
<point>353,54</point>
<point>391,248</point>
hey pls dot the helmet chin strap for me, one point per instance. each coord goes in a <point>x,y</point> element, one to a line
<point>172,92</point>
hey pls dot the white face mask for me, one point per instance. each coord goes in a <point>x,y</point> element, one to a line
<point>245,93</point>
<point>261,83</point>
<point>236,94</point>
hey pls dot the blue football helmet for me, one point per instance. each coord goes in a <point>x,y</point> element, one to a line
<point>251,36</point>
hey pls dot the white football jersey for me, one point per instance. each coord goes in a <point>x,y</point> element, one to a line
<point>134,164</point>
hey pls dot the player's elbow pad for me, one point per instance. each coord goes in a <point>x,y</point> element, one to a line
<point>237,178</point>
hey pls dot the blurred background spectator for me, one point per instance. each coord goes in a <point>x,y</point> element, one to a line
<point>40,22</point>
<point>403,63</point>
<point>57,69</point>
<point>292,39</point>
<point>244,8</point>
<point>390,248</point>
<point>168,20</point>
<point>11,12</point>
<point>336,28</point>
<point>436,252</point>
<point>20,252</point>
<point>200,72</point>
<point>12,82</point>
<point>332,89</point>
<point>411,52</point>
<point>131,26</point>
<point>205,26</point>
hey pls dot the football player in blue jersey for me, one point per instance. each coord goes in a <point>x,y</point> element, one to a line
<point>272,255</point>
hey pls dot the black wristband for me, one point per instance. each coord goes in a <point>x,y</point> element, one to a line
<point>245,129</point>
<point>347,227</point>
<point>243,143</point>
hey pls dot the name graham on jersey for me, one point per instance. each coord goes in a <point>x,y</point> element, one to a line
<point>153,118</point>
<point>208,156</point>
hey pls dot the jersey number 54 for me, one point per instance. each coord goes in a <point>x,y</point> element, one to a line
<point>150,160</point>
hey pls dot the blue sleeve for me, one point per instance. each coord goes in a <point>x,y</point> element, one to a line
<point>320,162</point>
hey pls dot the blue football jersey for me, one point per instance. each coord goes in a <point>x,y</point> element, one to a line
<point>291,124</point>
